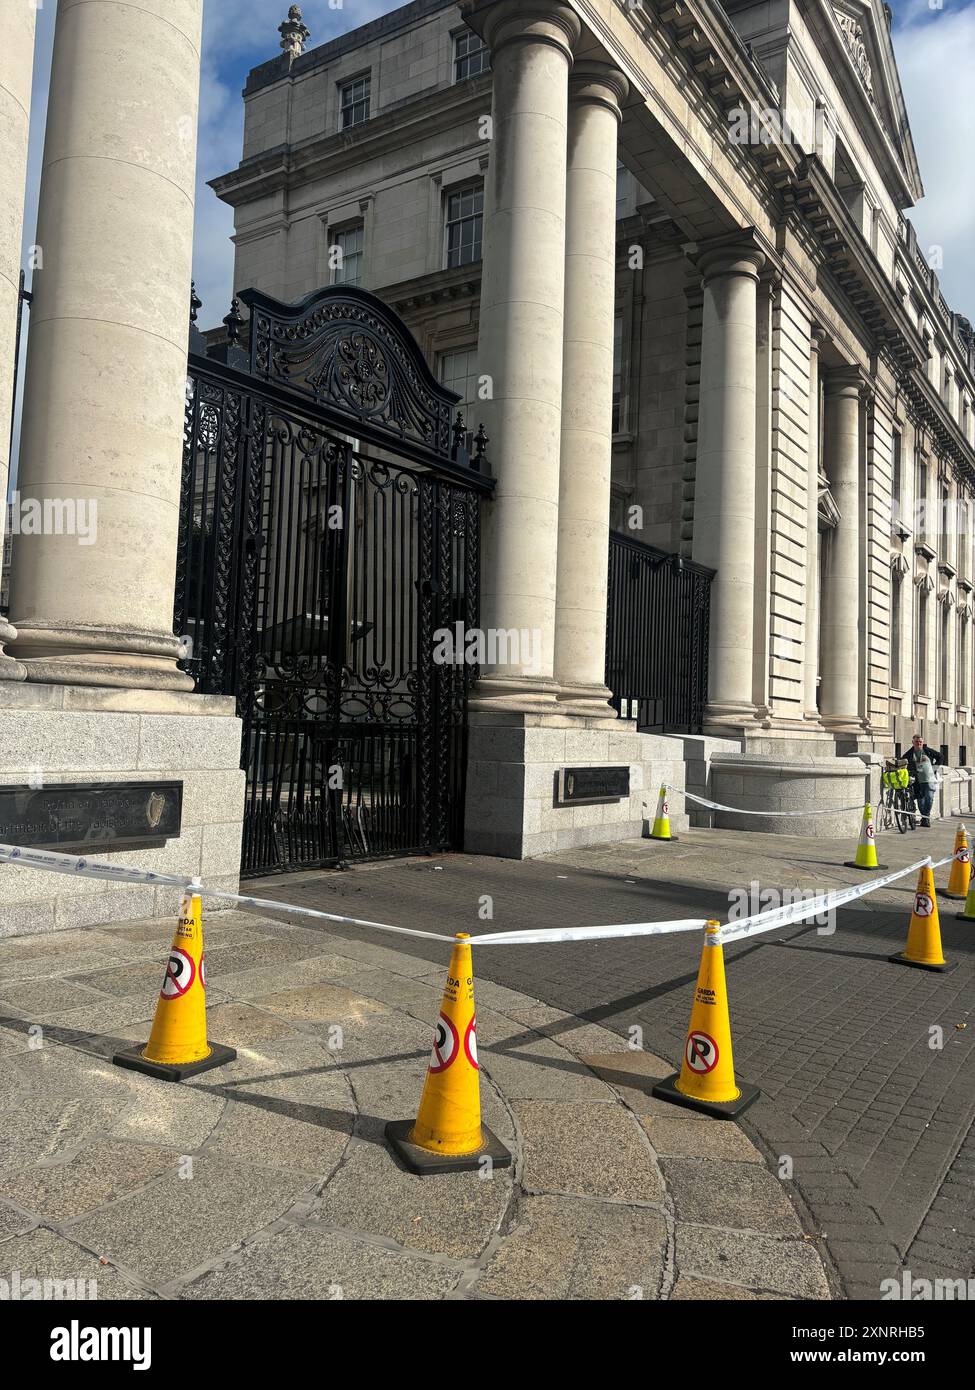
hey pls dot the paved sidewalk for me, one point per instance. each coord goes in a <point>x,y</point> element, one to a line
<point>270,1179</point>
<point>871,1120</point>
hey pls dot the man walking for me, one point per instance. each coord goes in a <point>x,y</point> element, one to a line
<point>921,763</point>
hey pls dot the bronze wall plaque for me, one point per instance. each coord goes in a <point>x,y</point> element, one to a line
<point>89,815</point>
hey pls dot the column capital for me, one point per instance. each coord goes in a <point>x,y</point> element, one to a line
<point>598,84</point>
<point>502,22</point>
<point>817,336</point>
<point>845,381</point>
<point>736,254</point>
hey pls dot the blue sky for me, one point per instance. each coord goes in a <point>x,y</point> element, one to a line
<point>935,50</point>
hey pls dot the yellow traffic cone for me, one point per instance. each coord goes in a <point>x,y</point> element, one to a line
<point>969,913</point>
<point>866,852</point>
<point>661,821</point>
<point>924,934</point>
<point>960,874</point>
<point>447,1135</point>
<point>177,1045</point>
<point>706,1080</point>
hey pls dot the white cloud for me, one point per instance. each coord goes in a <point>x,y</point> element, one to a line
<point>936,61</point>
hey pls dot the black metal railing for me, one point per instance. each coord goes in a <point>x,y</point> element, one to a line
<point>658,617</point>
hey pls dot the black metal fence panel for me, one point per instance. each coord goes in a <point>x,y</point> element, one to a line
<point>657,636</point>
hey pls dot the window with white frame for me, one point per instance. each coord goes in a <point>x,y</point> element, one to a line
<point>458,370</point>
<point>921,645</point>
<point>896,630</point>
<point>355,101</point>
<point>464,226</point>
<point>922,522</point>
<point>945,526</point>
<point>961,674</point>
<point>945,664</point>
<point>897,484</point>
<point>472,57</point>
<point>964,540</point>
<point>617,373</point>
<point>345,255</point>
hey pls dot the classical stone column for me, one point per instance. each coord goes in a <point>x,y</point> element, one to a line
<point>16,67</point>
<point>839,696</point>
<point>521,332</point>
<point>595,93</point>
<point>811,654</point>
<point>106,373</point>
<point>724,488</point>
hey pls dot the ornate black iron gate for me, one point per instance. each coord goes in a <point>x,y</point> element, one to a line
<point>657,636</point>
<point>328,531</point>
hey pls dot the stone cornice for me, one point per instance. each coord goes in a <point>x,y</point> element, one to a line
<point>439,287</point>
<point>926,410</point>
<point>854,266</point>
<point>443,109</point>
<point>699,36</point>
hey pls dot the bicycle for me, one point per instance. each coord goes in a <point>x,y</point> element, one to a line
<point>898,802</point>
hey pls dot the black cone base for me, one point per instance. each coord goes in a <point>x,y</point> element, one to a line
<point>945,969</point>
<point>659,840</point>
<point>425,1161</point>
<point>132,1059</point>
<point>864,868</point>
<point>719,1109</point>
<point>960,917</point>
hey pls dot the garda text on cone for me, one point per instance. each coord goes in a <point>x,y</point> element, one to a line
<point>178,1045</point>
<point>708,1070</point>
<point>449,1117</point>
<point>706,1080</point>
<point>179,1031</point>
<point>447,1135</point>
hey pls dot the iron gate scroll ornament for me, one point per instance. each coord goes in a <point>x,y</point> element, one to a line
<point>347,349</point>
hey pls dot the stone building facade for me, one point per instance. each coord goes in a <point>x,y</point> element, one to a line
<point>792,398</point>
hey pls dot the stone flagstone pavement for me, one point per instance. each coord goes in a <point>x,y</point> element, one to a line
<point>270,1178</point>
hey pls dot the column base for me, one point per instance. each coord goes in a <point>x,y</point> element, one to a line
<point>720,716</point>
<point>843,723</point>
<point>100,656</point>
<point>10,670</point>
<point>589,700</point>
<point>515,695</point>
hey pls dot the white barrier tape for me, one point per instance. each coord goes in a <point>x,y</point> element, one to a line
<point>732,931</point>
<point>826,902</point>
<point>86,868</point>
<point>740,810</point>
<point>269,904</point>
<point>116,873</point>
<point>549,935</point>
